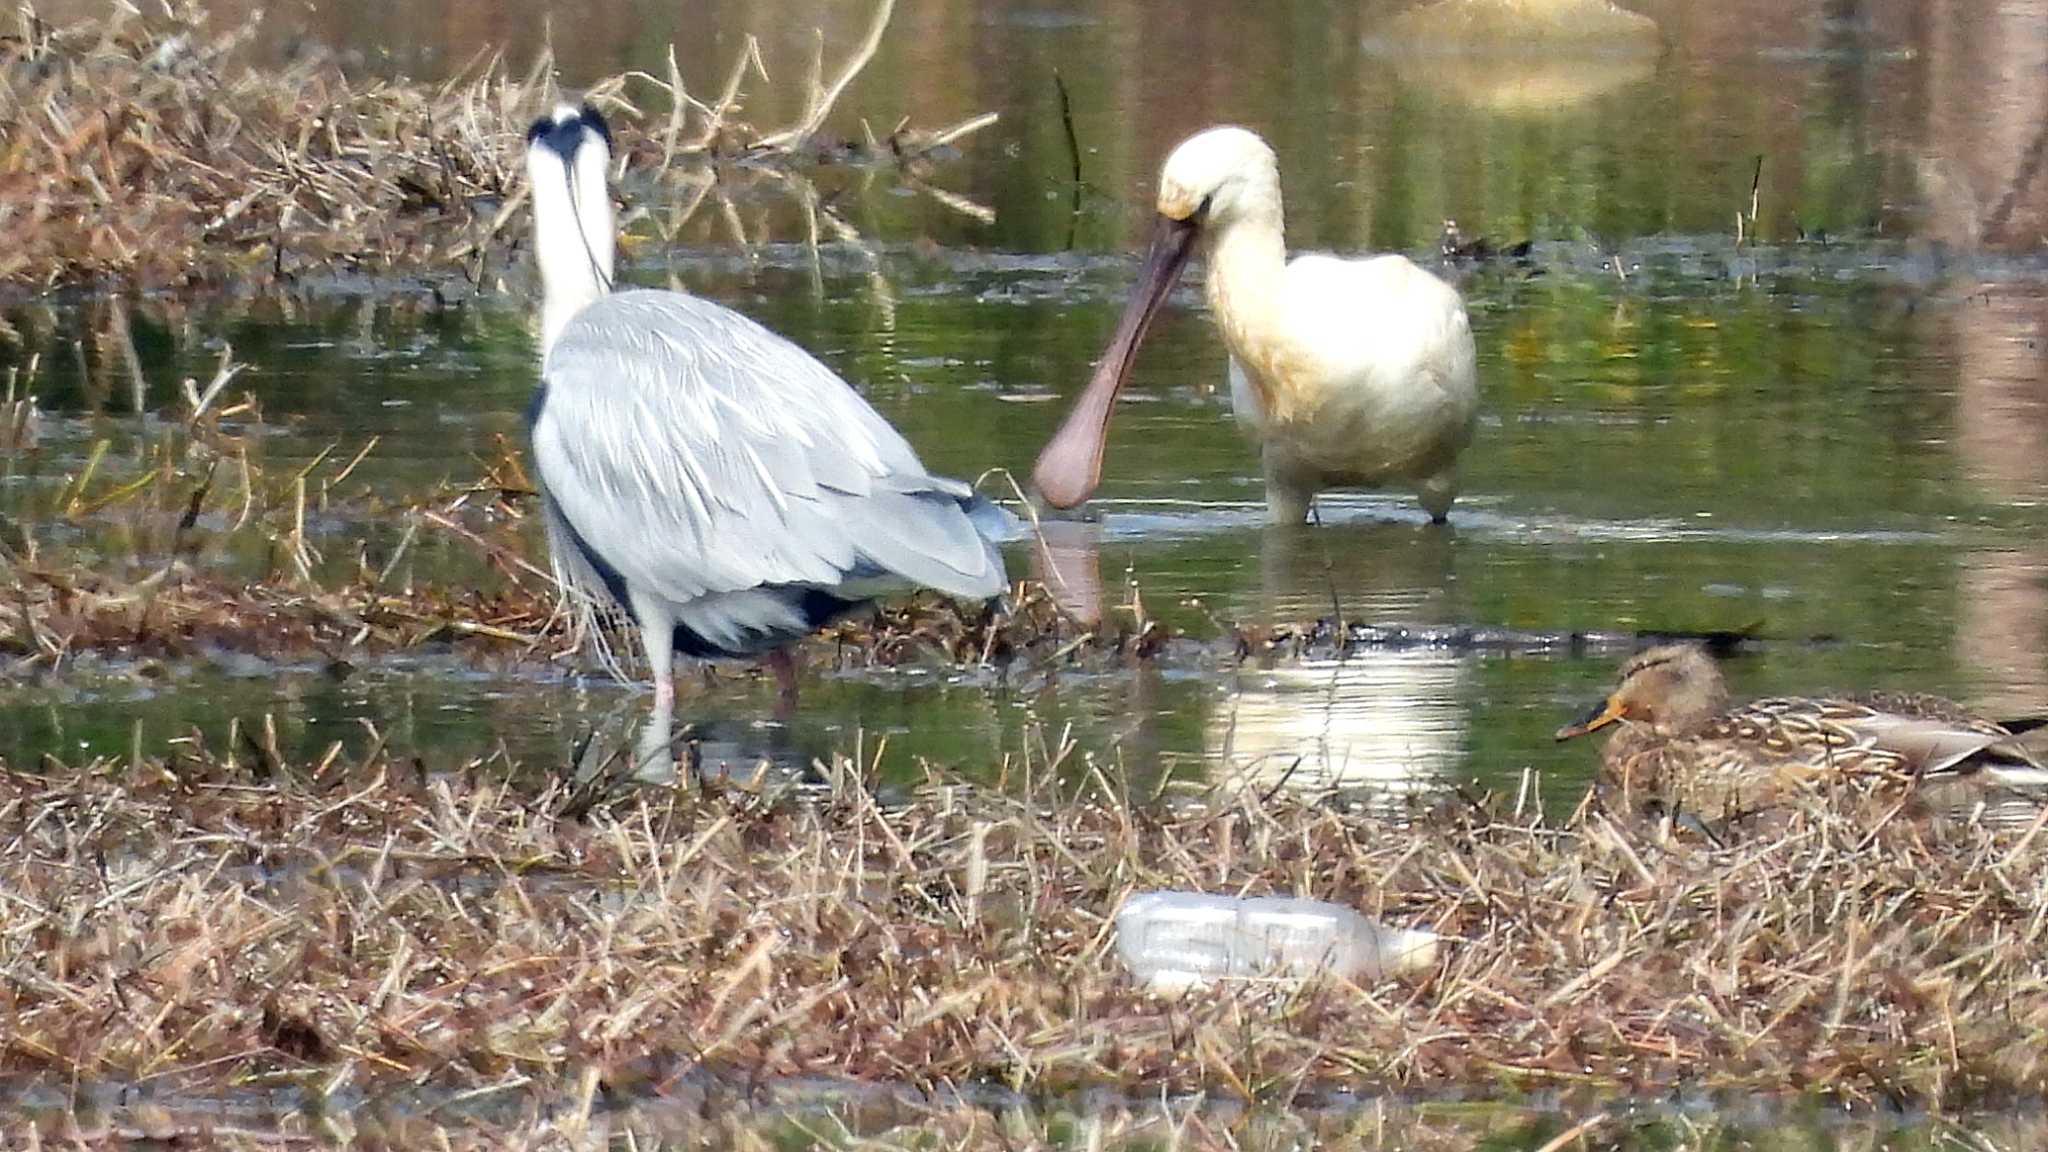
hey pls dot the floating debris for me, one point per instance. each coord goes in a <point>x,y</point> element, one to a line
<point>1173,940</point>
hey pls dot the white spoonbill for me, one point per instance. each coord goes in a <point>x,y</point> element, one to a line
<point>703,474</point>
<point>1345,372</point>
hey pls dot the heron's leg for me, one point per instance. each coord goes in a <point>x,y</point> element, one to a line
<point>784,666</point>
<point>658,639</point>
<point>657,626</point>
<point>651,760</point>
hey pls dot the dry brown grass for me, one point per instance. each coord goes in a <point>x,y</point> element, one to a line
<point>143,148</point>
<point>204,914</point>
<point>136,148</point>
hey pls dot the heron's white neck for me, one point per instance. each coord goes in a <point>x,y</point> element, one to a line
<point>572,235</point>
<point>1247,258</point>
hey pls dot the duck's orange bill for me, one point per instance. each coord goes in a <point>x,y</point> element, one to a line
<point>1070,466</point>
<point>1600,716</point>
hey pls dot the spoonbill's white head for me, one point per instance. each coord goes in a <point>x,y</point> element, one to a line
<point>1216,178</point>
<point>568,157</point>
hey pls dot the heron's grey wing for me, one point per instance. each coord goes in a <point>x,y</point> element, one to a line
<point>695,452</point>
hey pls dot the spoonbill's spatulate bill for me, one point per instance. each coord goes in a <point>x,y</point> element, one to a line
<point>1345,372</point>
<point>699,472</point>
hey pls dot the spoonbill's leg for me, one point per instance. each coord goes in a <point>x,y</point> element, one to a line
<point>1287,500</point>
<point>784,666</point>
<point>1437,494</point>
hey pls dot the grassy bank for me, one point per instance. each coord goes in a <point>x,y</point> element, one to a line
<point>145,148</point>
<point>205,914</point>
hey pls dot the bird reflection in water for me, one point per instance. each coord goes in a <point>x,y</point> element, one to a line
<point>1381,722</point>
<point>658,752</point>
<point>1520,57</point>
<point>653,754</point>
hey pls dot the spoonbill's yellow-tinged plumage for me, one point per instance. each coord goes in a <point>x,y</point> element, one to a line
<point>1345,372</point>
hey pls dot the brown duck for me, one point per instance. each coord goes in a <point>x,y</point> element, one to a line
<point>1681,741</point>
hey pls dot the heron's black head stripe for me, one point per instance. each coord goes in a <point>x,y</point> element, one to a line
<point>589,118</point>
<point>563,138</point>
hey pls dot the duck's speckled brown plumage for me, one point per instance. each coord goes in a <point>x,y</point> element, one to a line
<point>1680,741</point>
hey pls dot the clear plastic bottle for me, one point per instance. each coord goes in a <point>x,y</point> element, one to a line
<point>1171,940</point>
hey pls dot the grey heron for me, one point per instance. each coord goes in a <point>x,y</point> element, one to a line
<point>703,475</point>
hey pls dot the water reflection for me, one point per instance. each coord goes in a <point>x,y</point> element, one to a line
<point>1387,723</point>
<point>1841,443</point>
<point>1986,77</point>
<point>654,760</point>
<point>1357,570</point>
<point>1523,85</point>
<point>2001,441</point>
<point>640,740</point>
<point>1365,166</point>
<point>1988,85</point>
<point>1066,558</point>
<point>1379,721</point>
<point>1390,722</point>
<point>1523,57</point>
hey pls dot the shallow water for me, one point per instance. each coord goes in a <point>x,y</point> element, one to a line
<point>808,1111</point>
<point>1811,453</point>
<point>1835,434</point>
